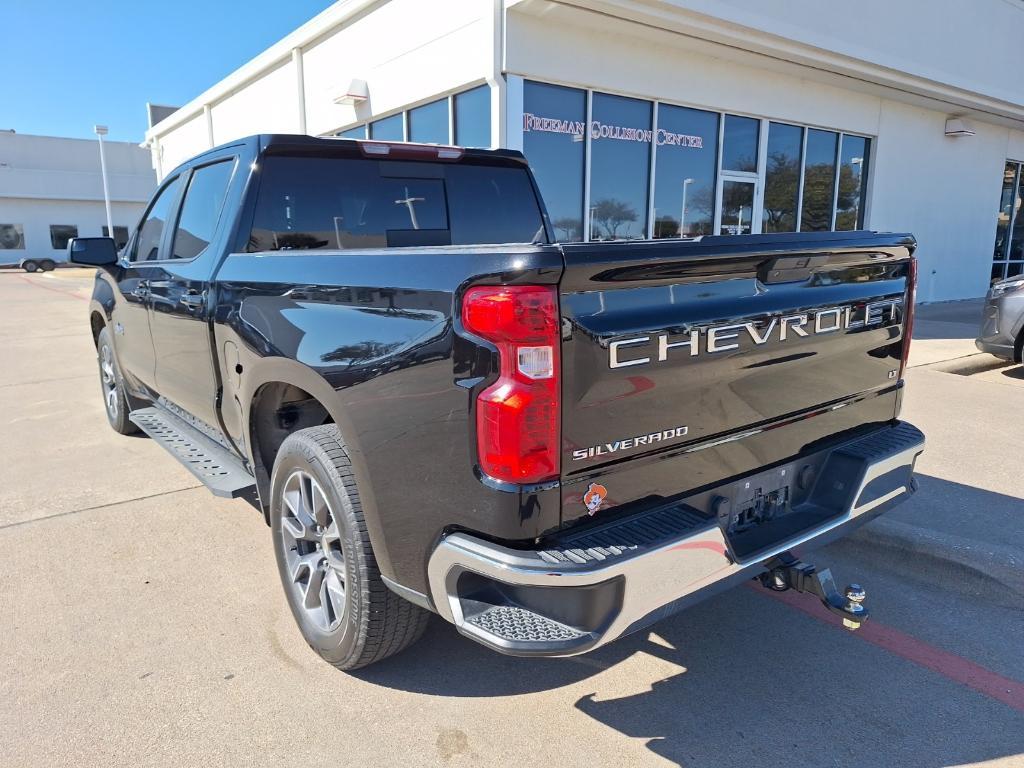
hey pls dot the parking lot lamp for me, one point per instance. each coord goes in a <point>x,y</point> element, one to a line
<point>101,131</point>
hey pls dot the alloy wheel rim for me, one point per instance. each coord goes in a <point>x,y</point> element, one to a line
<point>313,552</point>
<point>109,380</point>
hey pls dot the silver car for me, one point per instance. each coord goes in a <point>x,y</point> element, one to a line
<point>1002,324</point>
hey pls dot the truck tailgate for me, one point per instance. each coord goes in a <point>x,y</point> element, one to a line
<point>686,363</point>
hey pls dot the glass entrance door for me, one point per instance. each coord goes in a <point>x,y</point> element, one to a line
<point>739,211</point>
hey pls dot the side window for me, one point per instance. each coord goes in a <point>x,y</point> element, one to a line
<point>147,242</point>
<point>201,209</point>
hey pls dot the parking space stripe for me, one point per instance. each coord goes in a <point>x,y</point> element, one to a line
<point>949,665</point>
<point>52,288</point>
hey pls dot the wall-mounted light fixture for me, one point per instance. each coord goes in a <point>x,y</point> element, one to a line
<point>356,93</point>
<point>958,126</point>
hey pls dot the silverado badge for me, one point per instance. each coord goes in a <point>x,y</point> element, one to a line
<point>594,497</point>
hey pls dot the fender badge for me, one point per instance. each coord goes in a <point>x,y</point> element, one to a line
<point>594,497</point>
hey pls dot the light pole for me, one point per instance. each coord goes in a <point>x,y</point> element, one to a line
<point>101,131</point>
<point>682,210</point>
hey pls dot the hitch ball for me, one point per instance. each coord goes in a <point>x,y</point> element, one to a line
<point>855,595</point>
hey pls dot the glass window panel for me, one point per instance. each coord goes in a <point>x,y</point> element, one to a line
<point>1014,268</point>
<point>819,181</point>
<point>359,132</point>
<point>308,203</point>
<point>388,129</point>
<point>12,237</point>
<point>201,209</point>
<point>1005,210</point>
<point>147,242</point>
<point>554,130</point>
<point>853,170</point>
<point>1016,249</point>
<point>473,118</point>
<point>997,270</point>
<point>120,235</point>
<point>737,207</point>
<point>782,178</point>
<point>60,234</point>
<point>429,124</point>
<point>684,178</point>
<point>739,144</point>
<point>620,159</point>
<point>493,205</point>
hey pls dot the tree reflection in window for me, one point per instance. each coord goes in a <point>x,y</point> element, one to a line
<point>620,149</point>
<point>782,178</point>
<point>819,181</point>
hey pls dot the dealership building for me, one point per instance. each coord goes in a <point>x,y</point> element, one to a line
<point>650,119</point>
<point>51,190</point>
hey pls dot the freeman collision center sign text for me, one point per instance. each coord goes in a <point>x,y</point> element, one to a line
<point>599,130</point>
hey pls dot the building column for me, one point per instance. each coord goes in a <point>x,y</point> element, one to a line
<point>300,84</point>
<point>208,115</point>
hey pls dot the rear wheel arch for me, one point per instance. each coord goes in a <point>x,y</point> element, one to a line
<point>289,397</point>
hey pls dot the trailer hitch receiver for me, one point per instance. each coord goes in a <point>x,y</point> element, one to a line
<point>787,572</point>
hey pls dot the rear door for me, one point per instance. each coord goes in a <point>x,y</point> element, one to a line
<point>180,292</point>
<point>686,363</point>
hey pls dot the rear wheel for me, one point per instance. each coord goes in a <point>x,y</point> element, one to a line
<point>115,399</point>
<point>343,608</point>
<point>30,266</point>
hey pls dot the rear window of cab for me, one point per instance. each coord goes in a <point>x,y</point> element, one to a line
<point>318,203</point>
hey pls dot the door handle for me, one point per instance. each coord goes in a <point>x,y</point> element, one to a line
<point>193,300</point>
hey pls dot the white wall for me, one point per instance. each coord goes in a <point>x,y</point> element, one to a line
<point>407,51</point>
<point>48,180</point>
<point>974,45</point>
<point>267,105</point>
<point>576,48</point>
<point>57,168</point>
<point>36,216</point>
<point>187,140</point>
<point>944,190</point>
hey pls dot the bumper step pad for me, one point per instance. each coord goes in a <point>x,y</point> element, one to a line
<point>514,624</point>
<point>212,464</point>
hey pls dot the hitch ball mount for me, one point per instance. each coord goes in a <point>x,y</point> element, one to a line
<point>787,572</point>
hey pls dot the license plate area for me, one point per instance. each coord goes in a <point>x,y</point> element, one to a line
<point>759,511</point>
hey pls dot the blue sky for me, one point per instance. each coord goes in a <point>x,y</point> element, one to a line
<point>69,65</point>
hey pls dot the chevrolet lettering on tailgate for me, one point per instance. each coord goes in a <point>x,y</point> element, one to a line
<point>723,338</point>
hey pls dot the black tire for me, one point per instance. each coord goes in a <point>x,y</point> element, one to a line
<point>30,266</point>
<point>47,265</point>
<point>375,622</point>
<point>116,403</point>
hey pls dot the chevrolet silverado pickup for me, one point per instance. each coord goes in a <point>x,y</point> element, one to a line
<point>440,409</point>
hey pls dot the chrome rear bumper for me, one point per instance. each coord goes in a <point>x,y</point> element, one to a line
<point>590,590</point>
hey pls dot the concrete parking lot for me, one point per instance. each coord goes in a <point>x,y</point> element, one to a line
<point>142,621</point>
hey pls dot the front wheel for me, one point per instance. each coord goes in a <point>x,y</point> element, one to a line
<point>47,265</point>
<point>115,399</point>
<point>343,608</point>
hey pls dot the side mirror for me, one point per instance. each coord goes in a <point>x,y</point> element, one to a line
<point>92,251</point>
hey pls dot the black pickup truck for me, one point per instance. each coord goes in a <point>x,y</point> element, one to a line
<point>439,409</point>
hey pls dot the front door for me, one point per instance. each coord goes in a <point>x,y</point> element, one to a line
<point>133,339</point>
<point>739,208</point>
<point>180,298</point>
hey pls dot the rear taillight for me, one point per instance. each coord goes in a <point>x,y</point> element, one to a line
<point>908,314</point>
<point>517,417</point>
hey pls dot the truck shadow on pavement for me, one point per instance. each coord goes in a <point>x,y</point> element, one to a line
<point>742,680</point>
